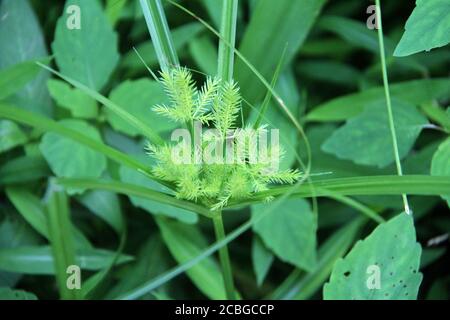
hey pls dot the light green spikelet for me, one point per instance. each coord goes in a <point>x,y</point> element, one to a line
<point>226,107</point>
<point>214,185</point>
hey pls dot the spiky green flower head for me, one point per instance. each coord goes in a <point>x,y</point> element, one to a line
<point>213,183</point>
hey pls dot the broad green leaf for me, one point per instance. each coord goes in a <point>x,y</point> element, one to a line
<point>138,97</point>
<point>88,54</point>
<point>105,205</point>
<point>14,233</point>
<point>327,163</point>
<point>22,40</point>
<point>274,26</point>
<point>333,249</point>
<point>137,178</point>
<point>329,71</point>
<point>415,92</point>
<point>11,294</point>
<point>357,34</point>
<point>214,9</point>
<point>11,135</point>
<point>48,125</point>
<point>152,259</point>
<point>427,28</point>
<point>204,54</point>
<point>30,207</point>
<point>352,31</point>
<point>262,259</point>
<point>14,78</point>
<point>146,130</point>
<point>70,159</point>
<point>185,243</point>
<point>114,9</point>
<point>73,99</point>
<point>440,165</point>
<point>383,266</point>
<point>290,232</point>
<point>366,139</point>
<point>32,210</point>
<point>23,169</point>
<point>180,36</point>
<point>39,260</point>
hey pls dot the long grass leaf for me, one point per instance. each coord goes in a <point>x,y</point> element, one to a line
<point>388,101</point>
<point>61,240</point>
<point>160,33</point>
<point>133,190</point>
<point>226,46</point>
<point>48,125</point>
<point>355,186</point>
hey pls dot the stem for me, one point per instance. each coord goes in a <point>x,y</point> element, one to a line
<point>224,256</point>
<point>226,45</point>
<point>388,101</point>
<point>160,33</point>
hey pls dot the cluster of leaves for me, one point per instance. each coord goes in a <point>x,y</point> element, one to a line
<point>213,184</point>
<point>90,132</point>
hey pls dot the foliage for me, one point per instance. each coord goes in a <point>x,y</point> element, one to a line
<point>88,177</point>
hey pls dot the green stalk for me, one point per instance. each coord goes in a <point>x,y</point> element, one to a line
<point>61,240</point>
<point>224,256</point>
<point>160,33</point>
<point>227,40</point>
<point>388,101</point>
<point>268,96</point>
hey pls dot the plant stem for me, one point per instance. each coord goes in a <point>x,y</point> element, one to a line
<point>224,256</point>
<point>388,101</point>
<point>160,33</point>
<point>226,44</point>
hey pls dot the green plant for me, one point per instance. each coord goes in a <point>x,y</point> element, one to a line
<point>355,137</point>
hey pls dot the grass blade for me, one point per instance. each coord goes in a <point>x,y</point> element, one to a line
<point>227,42</point>
<point>133,190</point>
<point>371,185</point>
<point>160,33</point>
<point>49,125</point>
<point>388,101</point>
<point>61,240</point>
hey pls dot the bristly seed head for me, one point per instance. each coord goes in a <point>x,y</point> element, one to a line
<point>217,103</point>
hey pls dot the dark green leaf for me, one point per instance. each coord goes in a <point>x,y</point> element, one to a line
<point>89,54</point>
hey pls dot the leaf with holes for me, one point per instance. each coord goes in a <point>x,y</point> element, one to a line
<point>384,266</point>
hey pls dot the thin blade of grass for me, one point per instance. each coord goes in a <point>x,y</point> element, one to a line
<point>388,101</point>
<point>160,33</point>
<point>268,96</point>
<point>48,125</point>
<point>133,190</point>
